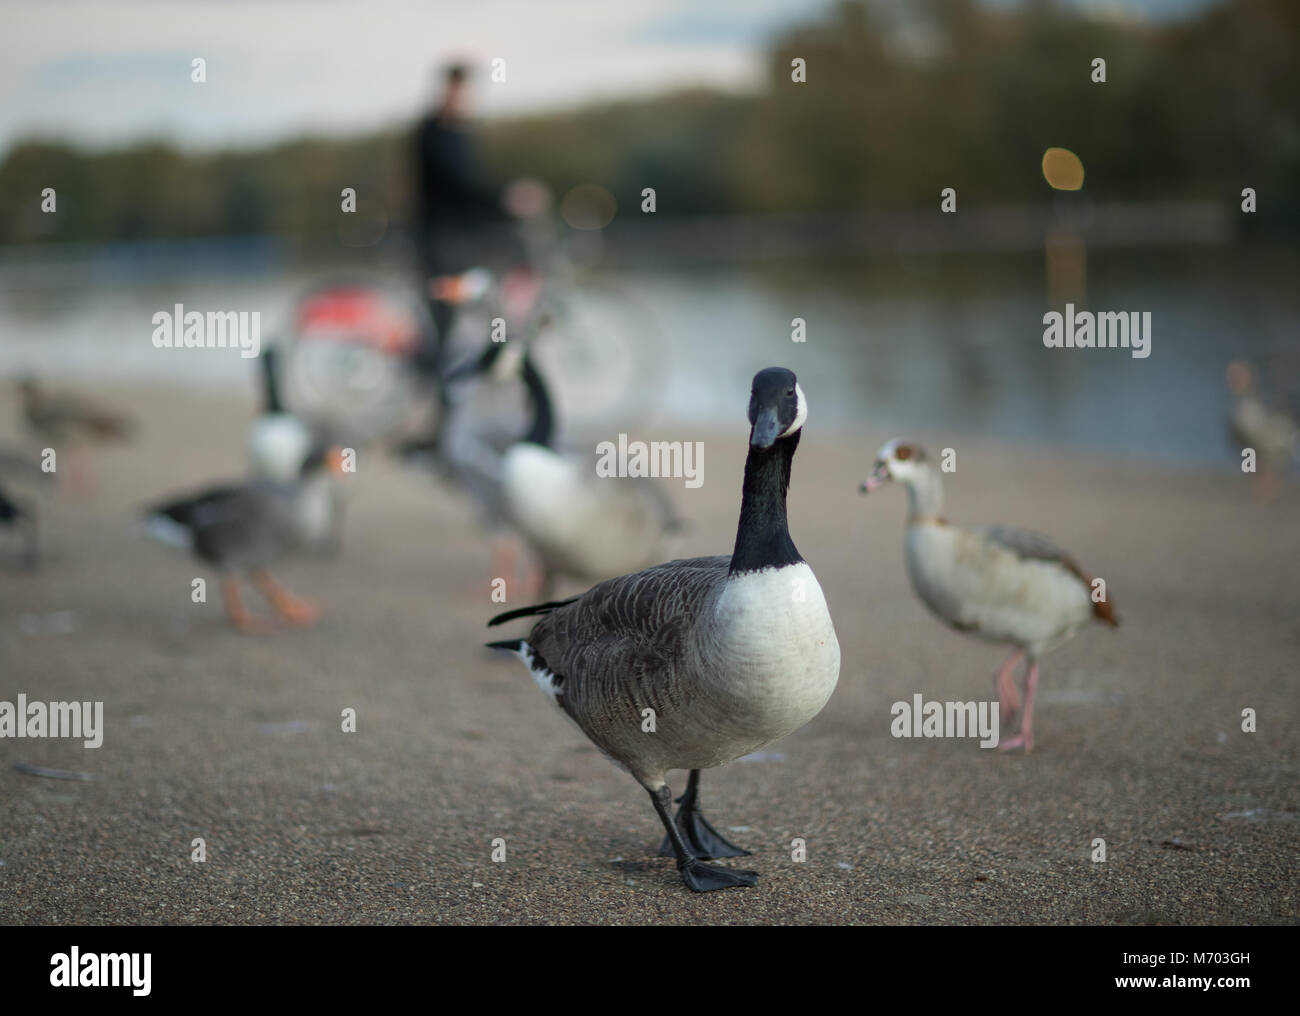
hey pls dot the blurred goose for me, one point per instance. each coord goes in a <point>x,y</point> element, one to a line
<point>70,420</point>
<point>488,402</point>
<point>998,584</point>
<point>18,472</point>
<point>16,516</point>
<point>1272,432</point>
<point>279,443</point>
<point>578,524</point>
<point>729,653</point>
<point>246,528</point>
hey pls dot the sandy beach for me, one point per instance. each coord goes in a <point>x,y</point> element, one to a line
<point>236,739</point>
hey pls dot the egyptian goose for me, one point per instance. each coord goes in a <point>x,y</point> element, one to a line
<point>720,655</point>
<point>998,584</point>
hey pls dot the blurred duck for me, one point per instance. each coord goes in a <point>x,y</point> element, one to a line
<point>278,444</point>
<point>68,420</point>
<point>577,524</point>
<point>246,528</point>
<point>1272,432</point>
<point>18,474</point>
<point>998,584</point>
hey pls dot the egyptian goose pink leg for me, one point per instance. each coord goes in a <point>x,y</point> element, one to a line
<point>1008,697</point>
<point>1025,739</point>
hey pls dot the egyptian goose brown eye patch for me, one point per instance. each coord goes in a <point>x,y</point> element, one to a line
<point>903,453</point>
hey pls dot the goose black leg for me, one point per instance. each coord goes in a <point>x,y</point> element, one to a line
<point>698,876</point>
<point>705,841</point>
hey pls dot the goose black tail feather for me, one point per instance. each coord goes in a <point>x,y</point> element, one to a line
<point>509,645</point>
<point>536,608</point>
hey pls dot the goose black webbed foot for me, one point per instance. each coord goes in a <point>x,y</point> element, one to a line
<point>704,841</point>
<point>698,876</point>
<point>701,878</point>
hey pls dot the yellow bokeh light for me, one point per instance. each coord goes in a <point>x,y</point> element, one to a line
<point>1062,169</point>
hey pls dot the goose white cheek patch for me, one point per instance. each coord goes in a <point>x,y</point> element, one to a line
<point>801,411</point>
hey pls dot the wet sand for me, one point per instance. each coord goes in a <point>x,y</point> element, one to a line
<point>236,739</point>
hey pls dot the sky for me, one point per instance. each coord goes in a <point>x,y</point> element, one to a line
<point>110,71</point>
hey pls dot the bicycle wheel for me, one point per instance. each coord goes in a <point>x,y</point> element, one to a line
<point>348,357</point>
<point>602,352</point>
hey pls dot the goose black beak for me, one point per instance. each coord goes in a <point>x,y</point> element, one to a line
<point>766,429</point>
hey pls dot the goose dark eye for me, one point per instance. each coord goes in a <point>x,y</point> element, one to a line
<point>903,453</point>
<point>789,393</point>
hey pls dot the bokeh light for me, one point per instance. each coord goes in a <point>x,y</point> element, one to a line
<point>588,206</point>
<point>1063,169</point>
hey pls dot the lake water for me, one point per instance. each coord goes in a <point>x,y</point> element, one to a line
<point>892,344</point>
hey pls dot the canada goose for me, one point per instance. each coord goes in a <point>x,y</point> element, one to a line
<point>71,420</point>
<point>1272,432</point>
<point>576,523</point>
<point>280,442</point>
<point>490,401</point>
<point>998,584</point>
<point>246,528</point>
<point>725,655</point>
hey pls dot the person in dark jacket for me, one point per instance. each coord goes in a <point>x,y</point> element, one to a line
<point>451,201</point>
<point>460,222</point>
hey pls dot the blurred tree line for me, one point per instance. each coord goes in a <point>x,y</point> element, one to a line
<point>961,95</point>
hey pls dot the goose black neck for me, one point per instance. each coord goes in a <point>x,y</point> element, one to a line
<point>270,385</point>
<point>542,431</point>
<point>763,537</point>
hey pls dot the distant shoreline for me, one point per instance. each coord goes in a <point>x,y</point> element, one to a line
<point>635,240</point>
